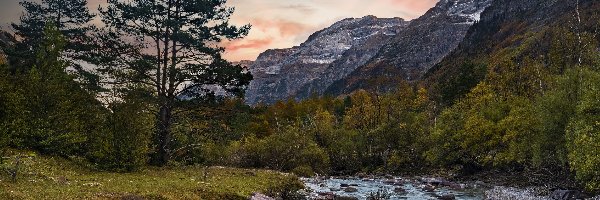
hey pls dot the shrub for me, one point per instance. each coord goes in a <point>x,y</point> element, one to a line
<point>123,146</point>
<point>303,171</point>
<point>284,151</point>
<point>583,133</point>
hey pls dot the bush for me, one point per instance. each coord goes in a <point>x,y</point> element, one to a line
<point>284,151</point>
<point>123,146</point>
<point>583,134</point>
<point>303,171</point>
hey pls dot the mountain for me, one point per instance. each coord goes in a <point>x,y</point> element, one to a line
<point>421,45</point>
<point>329,54</point>
<point>513,31</point>
<point>6,40</point>
<point>244,63</point>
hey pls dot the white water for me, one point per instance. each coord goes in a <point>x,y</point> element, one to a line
<point>365,187</point>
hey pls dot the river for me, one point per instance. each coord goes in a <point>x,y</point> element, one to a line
<point>409,188</point>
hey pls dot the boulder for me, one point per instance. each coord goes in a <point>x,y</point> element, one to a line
<point>428,188</point>
<point>447,197</point>
<point>361,175</point>
<point>390,181</point>
<point>400,190</point>
<point>259,196</point>
<point>350,189</point>
<point>566,195</point>
<point>346,198</point>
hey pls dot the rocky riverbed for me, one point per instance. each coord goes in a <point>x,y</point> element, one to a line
<point>389,187</point>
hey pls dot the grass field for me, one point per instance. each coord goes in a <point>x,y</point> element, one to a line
<point>43,177</point>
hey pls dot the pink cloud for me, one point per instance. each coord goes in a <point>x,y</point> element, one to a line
<point>284,27</point>
<point>248,44</point>
<point>416,5</point>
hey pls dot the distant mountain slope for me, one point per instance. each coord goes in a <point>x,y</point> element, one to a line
<point>417,48</point>
<point>504,26</point>
<point>6,40</point>
<point>281,73</point>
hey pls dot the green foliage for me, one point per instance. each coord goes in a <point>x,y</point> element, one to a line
<point>45,177</point>
<point>583,132</point>
<point>123,144</point>
<point>51,112</point>
<point>70,17</point>
<point>170,48</point>
<point>456,86</point>
<point>284,151</point>
<point>6,97</point>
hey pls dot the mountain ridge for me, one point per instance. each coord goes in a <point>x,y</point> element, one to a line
<point>279,73</point>
<point>424,43</point>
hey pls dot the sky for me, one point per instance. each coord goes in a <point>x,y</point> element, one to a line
<point>280,23</point>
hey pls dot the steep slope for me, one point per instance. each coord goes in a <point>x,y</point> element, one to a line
<point>417,48</point>
<point>6,40</point>
<point>505,29</point>
<point>279,74</point>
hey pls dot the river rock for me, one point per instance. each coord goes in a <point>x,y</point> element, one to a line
<point>428,188</point>
<point>389,181</point>
<point>566,195</point>
<point>326,196</point>
<point>433,181</point>
<point>344,185</point>
<point>334,189</point>
<point>400,190</point>
<point>259,196</point>
<point>354,185</point>
<point>346,198</point>
<point>361,175</point>
<point>447,197</point>
<point>350,189</point>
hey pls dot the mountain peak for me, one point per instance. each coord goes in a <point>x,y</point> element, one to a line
<point>280,73</point>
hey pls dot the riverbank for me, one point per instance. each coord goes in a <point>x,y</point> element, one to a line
<point>46,177</point>
<point>442,184</point>
<point>434,188</point>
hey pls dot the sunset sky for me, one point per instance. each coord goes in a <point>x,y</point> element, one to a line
<point>281,23</point>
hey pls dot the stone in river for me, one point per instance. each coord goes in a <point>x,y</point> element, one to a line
<point>566,194</point>
<point>447,197</point>
<point>259,196</point>
<point>400,190</point>
<point>350,189</point>
<point>428,188</point>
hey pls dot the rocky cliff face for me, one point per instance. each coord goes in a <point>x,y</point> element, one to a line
<point>424,43</point>
<point>329,54</point>
<point>504,26</point>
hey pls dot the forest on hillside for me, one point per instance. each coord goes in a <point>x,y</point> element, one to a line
<point>149,100</point>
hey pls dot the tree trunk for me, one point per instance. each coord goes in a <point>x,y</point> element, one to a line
<point>163,136</point>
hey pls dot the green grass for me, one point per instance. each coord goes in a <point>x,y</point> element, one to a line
<point>43,177</point>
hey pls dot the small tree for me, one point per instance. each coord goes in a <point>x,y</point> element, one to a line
<point>123,143</point>
<point>52,113</point>
<point>170,46</point>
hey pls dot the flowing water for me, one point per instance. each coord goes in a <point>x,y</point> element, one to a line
<point>396,188</point>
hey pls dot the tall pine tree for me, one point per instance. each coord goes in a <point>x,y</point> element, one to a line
<point>171,47</point>
<point>71,17</point>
